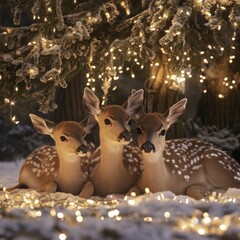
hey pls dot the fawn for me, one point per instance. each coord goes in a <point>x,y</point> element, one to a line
<point>183,166</point>
<point>119,164</point>
<point>61,168</point>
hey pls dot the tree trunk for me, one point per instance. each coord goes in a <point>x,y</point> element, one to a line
<point>220,112</point>
<point>220,106</point>
<point>161,94</point>
<point>69,100</point>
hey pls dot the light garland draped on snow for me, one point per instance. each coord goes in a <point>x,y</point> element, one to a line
<point>64,216</point>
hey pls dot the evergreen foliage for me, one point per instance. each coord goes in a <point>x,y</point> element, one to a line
<point>47,40</point>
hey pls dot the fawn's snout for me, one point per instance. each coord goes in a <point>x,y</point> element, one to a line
<point>125,136</point>
<point>82,150</point>
<point>148,147</point>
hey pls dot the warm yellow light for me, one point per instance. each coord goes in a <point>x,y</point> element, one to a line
<point>79,218</point>
<point>167,214</point>
<point>223,227</point>
<point>38,214</point>
<point>62,236</point>
<point>201,231</point>
<point>147,190</point>
<point>6,100</point>
<point>133,194</point>
<point>60,215</point>
<point>148,219</point>
<point>113,213</point>
<point>131,202</point>
<point>90,201</point>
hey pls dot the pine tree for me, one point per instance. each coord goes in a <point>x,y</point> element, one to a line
<point>97,41</point>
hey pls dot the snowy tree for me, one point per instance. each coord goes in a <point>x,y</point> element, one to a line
<point>93,43</point>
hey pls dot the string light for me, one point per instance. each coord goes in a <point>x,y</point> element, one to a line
<point>62,236</point>
<point>199,222</point>
<point>135,48</point>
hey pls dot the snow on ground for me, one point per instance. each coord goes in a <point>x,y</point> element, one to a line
<point>26,214</point>
<point>9,173</point>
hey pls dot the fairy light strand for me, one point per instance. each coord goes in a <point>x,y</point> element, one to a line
<point>75,211</point>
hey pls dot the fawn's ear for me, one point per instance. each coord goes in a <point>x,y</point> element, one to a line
<point>43,126</point>
<point>91,102</point>
<point>176,111</point>
<point>135,103</point>
<point>126,102</point>
<point>89,124</point>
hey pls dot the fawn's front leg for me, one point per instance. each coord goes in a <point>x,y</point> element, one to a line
<point>200,191</point>
<point>87,190</point>
<point>49,187</point>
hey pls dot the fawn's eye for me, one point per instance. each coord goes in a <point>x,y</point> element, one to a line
<point>139,131</point>
<point>163,132</point>
<point>63,138</point>
<point>107,121</point>
<point>129,122</point>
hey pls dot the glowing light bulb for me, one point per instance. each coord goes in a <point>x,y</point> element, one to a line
<point>60,215</point>
<point>62,236</point>
<point>147,190</point>
<point>201,231</point>
<point>148,219</point>
<point>131,202</point>
<point>133,194</point>
<point>6,100</point>
<point>79,218</point>
<point>167,215</point>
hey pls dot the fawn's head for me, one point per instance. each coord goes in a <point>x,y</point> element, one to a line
<point>113,120</point>
<point>69,136</point>
<point>152,127</point>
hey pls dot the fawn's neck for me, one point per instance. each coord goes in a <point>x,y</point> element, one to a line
<point>111,156</point>
<point>111,176</point>
<point>70,176</point>
<point>155,174</point>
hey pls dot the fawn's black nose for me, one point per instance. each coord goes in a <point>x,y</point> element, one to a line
<point>82,149</point>
<point>125,136</point>
<point>148,147</point>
